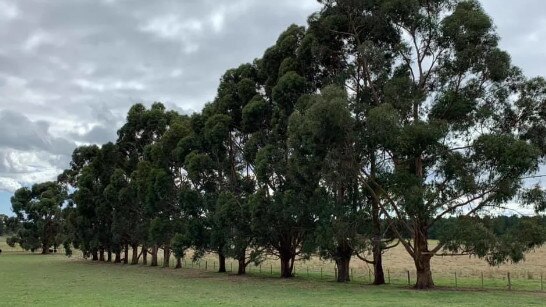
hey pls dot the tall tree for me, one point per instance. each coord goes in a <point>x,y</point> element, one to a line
<point>432,95</point>
<point>281,207</point>
<point>143,128</point>
<point>321,138</point>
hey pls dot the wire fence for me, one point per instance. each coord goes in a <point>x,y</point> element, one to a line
<point>486,280</point>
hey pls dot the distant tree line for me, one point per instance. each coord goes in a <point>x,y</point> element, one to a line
<point>380,123</point>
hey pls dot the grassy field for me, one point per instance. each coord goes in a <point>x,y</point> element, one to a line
<point>29,279</point>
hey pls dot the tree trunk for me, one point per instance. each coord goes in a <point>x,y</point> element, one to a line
<point>424,274</point>
<point>134,258</point>
<point>343,271</point>
<point>95,255</point>
<point>178,263</point>
<point>241,270</point>
<point>154,256</point>
<point>101,254</point>
<point>343,258</point>
<point>109,256</point>
<point>422,259</point>
<point>287,265</point>
<point>144,255</point>
<point>166,256</point>
<point>379,275</point>
<point>118,257</point>
<point>221,263</point>
<point>45,248</point>
<point>126,254</point>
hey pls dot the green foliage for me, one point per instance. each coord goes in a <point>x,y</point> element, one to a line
<point>39,212</point>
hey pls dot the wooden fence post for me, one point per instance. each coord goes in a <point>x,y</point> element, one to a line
<point>409,281</point>
<point>320,272</point>
<point>206,264</point>
<point>509,282</point>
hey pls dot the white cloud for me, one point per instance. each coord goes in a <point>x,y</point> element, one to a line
<point>41,38</point>
<point>217,20</point>
<point>110,85</point>
<point>9,184</point>
<point>8,10</point>
<point>172,27</point>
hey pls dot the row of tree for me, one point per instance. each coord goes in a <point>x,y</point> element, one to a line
<point>349,136</point>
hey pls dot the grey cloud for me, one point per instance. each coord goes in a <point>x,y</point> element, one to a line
<point>18,132</point>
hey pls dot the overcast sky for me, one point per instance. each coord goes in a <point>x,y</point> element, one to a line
<point>70,69</point>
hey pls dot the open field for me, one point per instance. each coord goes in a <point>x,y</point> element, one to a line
<point>29,279</point>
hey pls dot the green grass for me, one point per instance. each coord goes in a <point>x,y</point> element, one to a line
<point>27,279</point>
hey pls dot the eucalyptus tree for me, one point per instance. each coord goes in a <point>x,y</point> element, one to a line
<point>322,140</point>
<point>281,207</point>
<point>143,128</point>
<point>162,185</point>
<point>80,215</point>
<point>340,31</point>
<point>226,137</point>
<point>434,88</point>
<point>39,212</point>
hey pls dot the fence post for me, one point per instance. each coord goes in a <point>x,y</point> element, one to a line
<point>231,266</point>
<point>389,275</point>
<point>409,281</point>
<point>482,280</point>
<point>214,265</point>
<point>455,279</point>
<point>206,264</point>
<point>509,282</point>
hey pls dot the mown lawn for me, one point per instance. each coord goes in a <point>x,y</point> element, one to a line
<point>27,279</point>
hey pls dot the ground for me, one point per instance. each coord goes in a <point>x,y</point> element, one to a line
<point>29,279</point>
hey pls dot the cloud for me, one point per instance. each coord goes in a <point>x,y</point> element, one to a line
<point>8,10</point>
<point>41,38</point>
<point>18,132</point>
<point>9,184</point>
